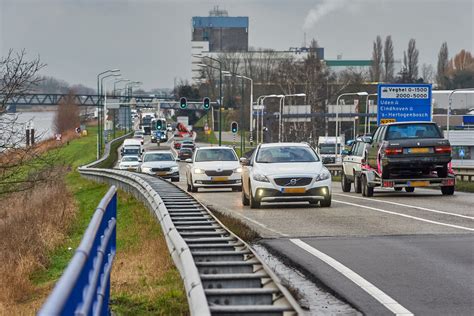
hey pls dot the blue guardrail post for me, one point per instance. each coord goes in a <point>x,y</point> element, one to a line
<point>84,287</point>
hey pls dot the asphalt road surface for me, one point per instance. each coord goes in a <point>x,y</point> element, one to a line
<point>396,253</point>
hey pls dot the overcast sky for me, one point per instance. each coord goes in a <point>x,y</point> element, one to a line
<point>149,40</point>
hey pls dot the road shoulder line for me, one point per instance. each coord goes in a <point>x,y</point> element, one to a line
<point>368,287</point>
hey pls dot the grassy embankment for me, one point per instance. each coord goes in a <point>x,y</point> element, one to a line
<point>144,279</point>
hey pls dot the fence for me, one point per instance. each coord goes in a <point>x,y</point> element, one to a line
<point>84,288</point>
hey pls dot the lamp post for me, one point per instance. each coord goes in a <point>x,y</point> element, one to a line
<point>262,99</point>
<point>220,89</point>
<point>367,111</point>
<point>282,105</point>
<point>362,93</point>
<point>450,98</point>
<point>99,136</point>
<point>117,81</point>
<point>105,99</point>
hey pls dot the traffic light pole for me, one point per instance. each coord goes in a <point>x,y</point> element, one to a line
<point>220,103</point>
<point>242,139</point>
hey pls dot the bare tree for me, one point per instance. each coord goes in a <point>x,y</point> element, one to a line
<point>427,73</point>
<point>410,62</point>
<point>441,75</point>
<point>389,61</point>
<point>377,60</point>
<point>17,75</point>
<point>68,114</point>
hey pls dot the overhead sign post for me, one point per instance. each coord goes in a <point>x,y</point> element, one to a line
<point>403,103</point>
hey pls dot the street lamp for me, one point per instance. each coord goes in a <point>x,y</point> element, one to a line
<point>367,111</point>
<point>117,81</point>
<point>99,133</point>
<point>450,98</point>
<point>220,89</point>
<point>360,94</point>
<point>282,105</point>
<point>105,97</point>
<point>262,99</point>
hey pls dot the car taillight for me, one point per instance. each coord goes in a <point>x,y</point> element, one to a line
<point>443,149</point>
<point>393,151</point>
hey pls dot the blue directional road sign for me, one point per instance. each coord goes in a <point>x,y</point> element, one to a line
<point>403,102</point>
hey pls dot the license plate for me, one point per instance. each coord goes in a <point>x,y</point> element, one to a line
<point>161,173</point>
<point>419,150</point>
<point>418,183</point>
<point>131,169</point>
<point>219,178</point>
<point>294,190</point>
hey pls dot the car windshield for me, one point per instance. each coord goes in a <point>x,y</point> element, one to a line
<point>286,154</point>
<point>131,151</point>
<point>418,130</point>
<point>328,149</point>
<point>158,157</point>
<point>130,158</point>
<point>218,154</point>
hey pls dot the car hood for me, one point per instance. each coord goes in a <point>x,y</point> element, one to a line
<point>129,163</point>
<point>159,164</point>
<point>295,168</point>
<point>214,165</point>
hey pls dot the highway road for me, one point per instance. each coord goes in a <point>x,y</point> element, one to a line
<point>396,253</point>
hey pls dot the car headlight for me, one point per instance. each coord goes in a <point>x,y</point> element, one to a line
<point>174,169</point>
<point>324,175</point>
<point>260,177</point>
<point>238,170</point>
<point>197,170</point>
<point>146,169</point>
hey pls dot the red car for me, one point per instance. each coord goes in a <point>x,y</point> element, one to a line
<point>177,145</point>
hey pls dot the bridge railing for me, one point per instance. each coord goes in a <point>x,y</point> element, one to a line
<point>84,287</point>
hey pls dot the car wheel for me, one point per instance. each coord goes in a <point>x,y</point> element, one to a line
<point>326,202</point>
<point>238,189</point>
<point>345,183</point>
<point>447,190</point>
<point>366,189</point>
<point>253,201</point>
<point>385,173</point>
<point>245,200</point>
<point>442,172</point>
<point>397,189</point>
<point>357,185</point>
<point>410,189</point>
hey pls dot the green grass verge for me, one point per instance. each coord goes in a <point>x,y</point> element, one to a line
<point>137,231</point>
<point>464,186</point>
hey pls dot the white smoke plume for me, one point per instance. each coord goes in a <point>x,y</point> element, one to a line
<point>322,9</point>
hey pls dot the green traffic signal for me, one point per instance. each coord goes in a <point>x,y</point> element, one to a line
<point>183,103</point>
<point>159,124</point>
<point>206,103</point>
<point>234,127</point>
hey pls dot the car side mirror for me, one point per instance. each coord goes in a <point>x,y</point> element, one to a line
<point>189,160</point>
<point>244,161</point>
<point>345,152</point>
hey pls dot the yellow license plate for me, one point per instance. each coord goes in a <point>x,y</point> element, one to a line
<point>420,150</point>
<point>418,183</point>
<point>131,169</point>
<point>294,190</point>
<point>161,173</point>
<point>219,178</point>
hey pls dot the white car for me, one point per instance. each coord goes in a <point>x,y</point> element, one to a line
<point>129,163</point>
<point>285,172</point>
<point>160,163</point>
<point>213,167</point>
<point>352,161</point>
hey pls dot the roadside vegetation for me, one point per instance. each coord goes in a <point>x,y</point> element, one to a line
<point>40,229</point>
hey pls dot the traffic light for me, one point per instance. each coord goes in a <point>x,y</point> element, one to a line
<point>206,102</point>
<point>159,124</point>
<point>183,103</point>
<point>234,127</point>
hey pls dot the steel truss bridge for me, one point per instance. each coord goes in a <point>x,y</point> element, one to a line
<point>52,99</point>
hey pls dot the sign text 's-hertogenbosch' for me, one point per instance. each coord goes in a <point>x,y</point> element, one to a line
<point>403,102</point>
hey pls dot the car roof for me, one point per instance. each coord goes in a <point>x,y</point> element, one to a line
<point>158,152</point>
<point>412,122</point>
<point>214,147</point>
<point>284,144</point>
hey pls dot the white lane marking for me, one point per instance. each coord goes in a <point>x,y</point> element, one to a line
<point>405,215</point>
<point>406,205</point>
<point>368,287</point>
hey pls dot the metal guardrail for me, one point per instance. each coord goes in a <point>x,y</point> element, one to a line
<point>84,287</point>
<point>334,168</point>
<point>221,273</point>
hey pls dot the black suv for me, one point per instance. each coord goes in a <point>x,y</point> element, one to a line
<point>409,148</point>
